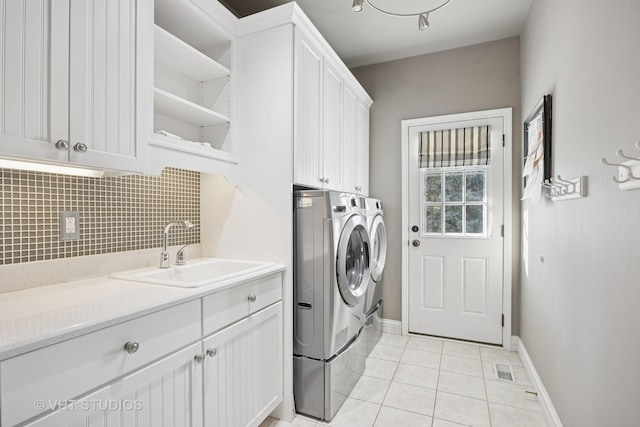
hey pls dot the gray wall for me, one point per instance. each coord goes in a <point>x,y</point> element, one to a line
<point>579,309</point>
<point>473,78</point>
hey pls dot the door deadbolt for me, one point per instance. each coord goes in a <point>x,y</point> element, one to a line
<point>415,228</point>
<point>416,243</point>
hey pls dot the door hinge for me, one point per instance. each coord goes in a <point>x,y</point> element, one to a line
<point>503,320</point>
<point>502,230</point>
<point>503,140</point>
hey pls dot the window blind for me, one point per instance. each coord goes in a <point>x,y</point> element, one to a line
<point>454,147</point>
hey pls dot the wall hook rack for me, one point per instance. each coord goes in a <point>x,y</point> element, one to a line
<point>565,189</point>
<point>628,169</point>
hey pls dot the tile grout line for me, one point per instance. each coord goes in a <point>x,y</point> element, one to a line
<point>390,382</point>
<point>486,392</point>
<point>435,399</point>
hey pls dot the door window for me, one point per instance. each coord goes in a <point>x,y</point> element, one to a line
<point>454,201</point>
<point>356,260</point>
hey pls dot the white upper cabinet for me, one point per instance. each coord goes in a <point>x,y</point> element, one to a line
<point>75,82</point>
<point>349,132</point>
<point>328,144</point>
<point>332,154</point>
<point>362,149</point>
<point>308,102</point>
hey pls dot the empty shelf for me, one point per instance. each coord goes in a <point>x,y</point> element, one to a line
<point>178,55</point>
<point>179,108</point>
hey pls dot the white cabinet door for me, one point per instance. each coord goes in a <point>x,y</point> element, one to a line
<point>33,78</point>
<point>307,103</point>
<point>76,71</point>
<point>110,50</point>
<point>332,153</point>
<point>167,392</point>
<point>362,173</point>
<point>243,370</point>
<point>350,142</point>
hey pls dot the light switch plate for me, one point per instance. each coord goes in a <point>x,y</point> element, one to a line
<point>69,225</point>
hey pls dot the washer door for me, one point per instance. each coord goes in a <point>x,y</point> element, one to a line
<point>352,260</point>
<point>378,247</point>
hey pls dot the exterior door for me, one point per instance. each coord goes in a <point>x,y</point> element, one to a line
<point>456,249</point>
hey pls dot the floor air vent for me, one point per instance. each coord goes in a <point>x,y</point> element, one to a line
<point>503,372</point>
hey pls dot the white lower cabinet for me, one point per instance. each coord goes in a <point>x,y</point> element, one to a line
<point>166,392</point>
<point>230,378</point>
<point>243,370</point>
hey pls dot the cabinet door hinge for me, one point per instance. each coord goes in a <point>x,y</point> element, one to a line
<point>502,230</point>
<point>503,140</point>
<point>503,320</point>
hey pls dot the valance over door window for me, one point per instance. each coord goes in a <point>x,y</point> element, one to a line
<point>454,147</point>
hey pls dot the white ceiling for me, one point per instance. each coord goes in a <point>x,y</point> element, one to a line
<point>369,37</point>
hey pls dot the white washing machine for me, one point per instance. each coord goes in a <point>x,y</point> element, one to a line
<point>331,276</point>
<point>374,306</point>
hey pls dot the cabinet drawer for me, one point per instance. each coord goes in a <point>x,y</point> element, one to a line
<point>67,369</point>
<point>223,308</point>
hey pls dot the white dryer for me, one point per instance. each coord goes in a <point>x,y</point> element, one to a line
<point>331,276</point>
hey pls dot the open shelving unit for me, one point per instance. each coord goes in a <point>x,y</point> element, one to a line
<point>192,84</point>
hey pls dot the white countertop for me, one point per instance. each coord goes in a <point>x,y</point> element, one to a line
<point>38,317</point>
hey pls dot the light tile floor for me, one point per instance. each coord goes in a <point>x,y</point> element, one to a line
<point>429,382</point>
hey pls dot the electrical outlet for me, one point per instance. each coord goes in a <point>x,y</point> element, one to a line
<point>69,225</point>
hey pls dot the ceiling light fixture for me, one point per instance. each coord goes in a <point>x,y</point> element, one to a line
<point>423,17</point>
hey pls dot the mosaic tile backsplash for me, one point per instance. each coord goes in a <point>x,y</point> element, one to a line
<point>116,213</point>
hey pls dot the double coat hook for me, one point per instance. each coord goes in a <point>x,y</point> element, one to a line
<point>628,166</point>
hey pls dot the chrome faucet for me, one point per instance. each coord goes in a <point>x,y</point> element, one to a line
<point>164,256</point>
<point>180,258</point>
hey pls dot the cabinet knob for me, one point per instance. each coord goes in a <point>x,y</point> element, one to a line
<point>199,358</point>
<point>252,298</point>
<point>211,352</point>
<point>321,180</point>
<point>80,148</point>
<point>62,145</point>
<point>131,347</point>
<point>326,180</point>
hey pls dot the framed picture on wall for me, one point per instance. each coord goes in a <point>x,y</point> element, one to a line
<point>536,148</point>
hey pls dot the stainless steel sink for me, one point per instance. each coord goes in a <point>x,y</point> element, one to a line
<point>196,273</point>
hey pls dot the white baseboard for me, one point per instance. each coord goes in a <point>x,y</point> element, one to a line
<point>550,413</point>
<point>388,326</point>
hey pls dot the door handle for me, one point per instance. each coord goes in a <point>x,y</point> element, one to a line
<point>416,243</point>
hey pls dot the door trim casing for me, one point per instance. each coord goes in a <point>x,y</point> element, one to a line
<point>507,115</point>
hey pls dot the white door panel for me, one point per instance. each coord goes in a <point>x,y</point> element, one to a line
<point>456,250</point>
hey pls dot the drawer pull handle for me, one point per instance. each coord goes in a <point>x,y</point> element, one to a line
<point>252,298</point>
<point>199,358</point>
<point>211,352</point>
<point>131,347</point>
